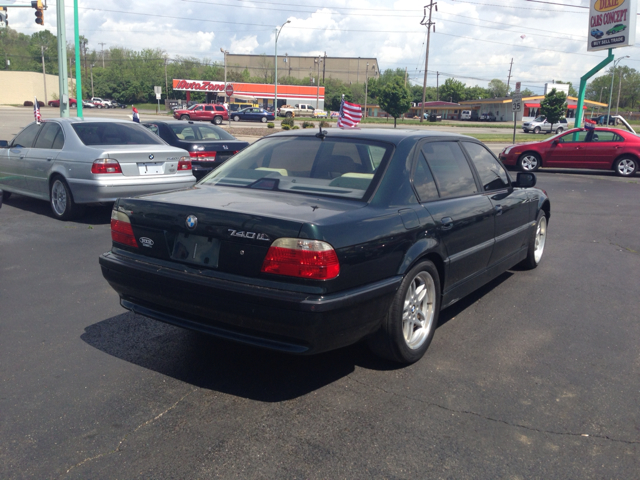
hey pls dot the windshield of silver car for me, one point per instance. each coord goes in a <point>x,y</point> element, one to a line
<point>111,133</point>
<point>332,167</point>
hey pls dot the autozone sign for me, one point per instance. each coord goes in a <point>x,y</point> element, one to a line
<point>197,85</point>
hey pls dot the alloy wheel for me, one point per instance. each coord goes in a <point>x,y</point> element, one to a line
<point>59,197</point>
<point>419,310</point>
<point>541,238</point>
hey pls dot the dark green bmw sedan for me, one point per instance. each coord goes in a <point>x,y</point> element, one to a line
<point>309,241</point>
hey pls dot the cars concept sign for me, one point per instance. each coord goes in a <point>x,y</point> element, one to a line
<point>615,17</point>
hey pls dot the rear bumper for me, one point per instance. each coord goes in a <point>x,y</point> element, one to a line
<point>285,320</point>
<point>109,190</point>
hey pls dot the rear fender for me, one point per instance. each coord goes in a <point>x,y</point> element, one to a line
<point>425,247</point>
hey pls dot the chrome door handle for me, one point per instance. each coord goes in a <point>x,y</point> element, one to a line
<point>49,159</point>
<point>447,223</point>
<point>498,209</point>
<point>21,157</point>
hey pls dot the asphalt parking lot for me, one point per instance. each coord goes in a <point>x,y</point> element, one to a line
<point>536,375</point>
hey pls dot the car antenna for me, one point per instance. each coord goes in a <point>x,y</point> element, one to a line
<point>322,133</point>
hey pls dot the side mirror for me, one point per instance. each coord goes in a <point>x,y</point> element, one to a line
<point>525,180</point>
<point>555,142</point>
<point>4,144</point>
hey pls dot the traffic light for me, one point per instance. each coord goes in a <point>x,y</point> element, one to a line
<point>39,6</point>
<point>4,17</point>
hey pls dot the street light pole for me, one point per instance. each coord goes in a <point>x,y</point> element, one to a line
<point>44,75</point>
<point>318,83</point>
<point>366,89</point>
<point>613,72</point>
<point>224,52</point>
<point>275,104</point>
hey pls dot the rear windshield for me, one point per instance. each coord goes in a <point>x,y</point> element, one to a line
<point>333,167</point>
<point>109,133</point>
<point>189,131</point>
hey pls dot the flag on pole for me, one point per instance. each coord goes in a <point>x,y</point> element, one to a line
<point>350,114</point>
<point>36,111</point>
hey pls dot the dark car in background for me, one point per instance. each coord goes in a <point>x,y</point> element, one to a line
<point>253,114</point>
<point>309,241</point>
<point>208,146</point>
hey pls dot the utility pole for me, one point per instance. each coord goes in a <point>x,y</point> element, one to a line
<point>44,74</point>
<point>509,77</point>
<point>358,72</point>
<point>427,24</point>
<point>324,66</point>
<point>405,77</point>
<point>319,60</point>
<point>619,88</point>
<point>102,44</point>
<point>437,86</point>
<point>92,94</point>
<point>166,79</point>
<point>366,89</point>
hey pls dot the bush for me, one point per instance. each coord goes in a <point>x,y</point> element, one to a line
<point>28,104</point>
<point>288,121</point>
<point>324,124</point>
<point>286,127</point>
<point>271,125</point>
<point>295,127</point>
<point>308,124</point>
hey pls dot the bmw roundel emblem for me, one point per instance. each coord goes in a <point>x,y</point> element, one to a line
<point>151,157</point>
<point>191,222</point>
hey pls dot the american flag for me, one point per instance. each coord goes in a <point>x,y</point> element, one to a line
<point>36,111</point>
<point>350,114</point>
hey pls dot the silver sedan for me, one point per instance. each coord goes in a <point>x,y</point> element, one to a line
<point>71,162</point>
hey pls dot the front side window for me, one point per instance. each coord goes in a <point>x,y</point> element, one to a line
<point>338,167</point>
<point>26,137</point>
<point>492,175</point>
<point>111,133</point>
<point>450,169</point>
<point>573,137</point>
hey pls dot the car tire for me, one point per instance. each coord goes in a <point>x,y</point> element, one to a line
<point>6,195</point>
<point>626,166</point>
<point>536,130</point>
<point>185,117</point>
<point>61,200</point>
<point>529,162</point>
<point>263,119</point>
<point>537,241</point>
<point>408,328</point>
<point>289,115</point>
<point>236,118</point>
<point>559,130</point>
<point>217,120</point>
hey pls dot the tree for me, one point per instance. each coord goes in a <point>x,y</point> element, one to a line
<point>395,99</point>
<point>453,90</point>
<point>553,106</point>
<point>476,93</point>
<point>497,88</point>
<point>527,93</point>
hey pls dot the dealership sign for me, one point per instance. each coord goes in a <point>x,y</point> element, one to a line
<point>198,85</point>
<point>612,24</point>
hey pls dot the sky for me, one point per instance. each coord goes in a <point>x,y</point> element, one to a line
<point>474,40</point>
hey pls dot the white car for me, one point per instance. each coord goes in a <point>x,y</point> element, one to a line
<point>71,162</point>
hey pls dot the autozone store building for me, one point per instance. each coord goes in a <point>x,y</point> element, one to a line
<point>260,93</point>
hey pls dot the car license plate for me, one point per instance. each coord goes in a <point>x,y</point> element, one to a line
<point>156,168</point>
<point>196,249</point>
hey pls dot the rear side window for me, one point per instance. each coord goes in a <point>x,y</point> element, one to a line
<point>97,133</point>
<point>47,135</point>
<point>602,136</point>
<point>450,169</point>
<point>423,181</point>
<point>492,175</point>
<point>219,108</point>
<point>26,137</point>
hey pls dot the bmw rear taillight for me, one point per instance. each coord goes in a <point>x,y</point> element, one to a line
<point>184,163</point>
<point>203,156</point>
<point>121,231</point>
<point>106,165</point>
<point>296,257</point>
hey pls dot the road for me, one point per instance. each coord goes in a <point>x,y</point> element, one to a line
<point>534,376</point>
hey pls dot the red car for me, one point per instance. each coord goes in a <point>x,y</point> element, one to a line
<point>599,148</point>
<point>56,103</point>
<point>203,111</point>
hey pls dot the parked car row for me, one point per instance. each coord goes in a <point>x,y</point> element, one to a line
<point>100,103</point>
<point>540,125</point>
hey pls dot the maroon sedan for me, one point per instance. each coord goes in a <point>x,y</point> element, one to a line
<point>600,148</point>
<point>56,103</point>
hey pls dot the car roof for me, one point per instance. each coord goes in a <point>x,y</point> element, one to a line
<point>179,122</point>
<point>392,135</point>
<point>89,120</point>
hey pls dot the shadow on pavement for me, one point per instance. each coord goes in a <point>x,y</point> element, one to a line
<point>236,369</point>
<point>93,215</point>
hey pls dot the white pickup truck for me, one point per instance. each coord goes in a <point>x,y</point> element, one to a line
<point>302,110</point>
